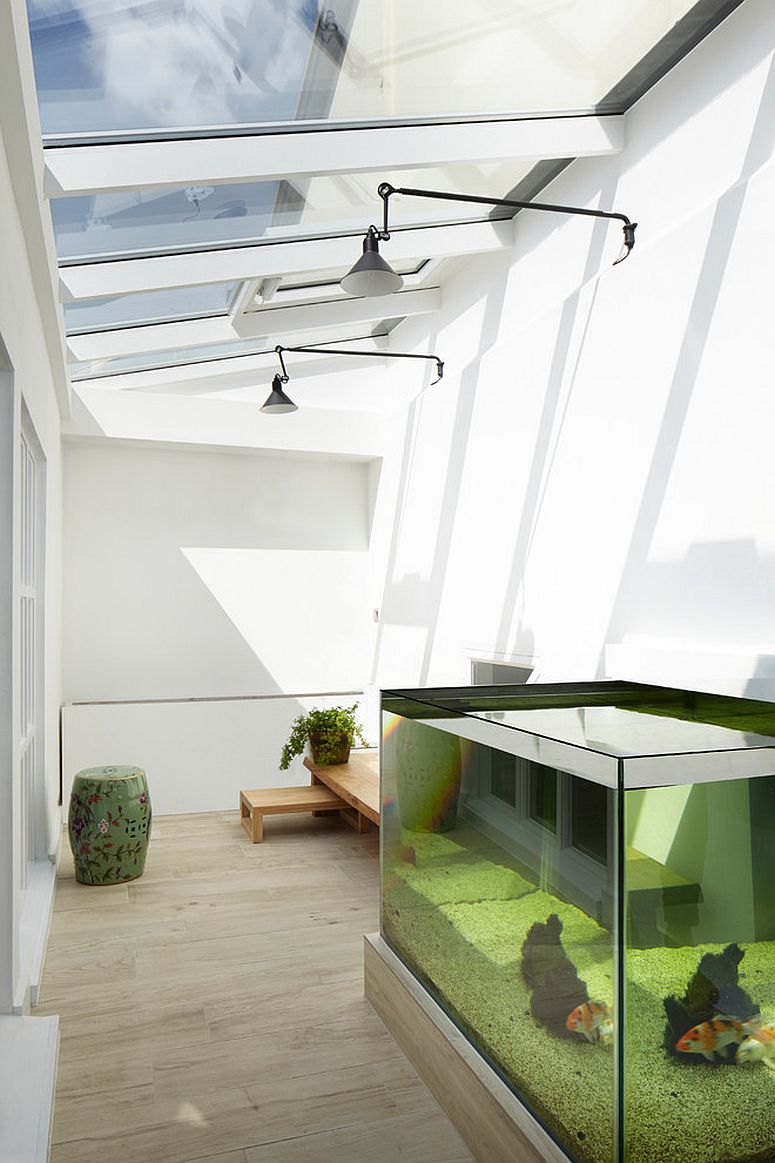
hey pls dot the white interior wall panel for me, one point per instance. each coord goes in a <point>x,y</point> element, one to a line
<point>192,574</point>
<point>597,467</point>
<point>198,756</point>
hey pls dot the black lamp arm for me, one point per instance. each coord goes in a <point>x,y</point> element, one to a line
<point>349,351</point>
<point>385,191</point>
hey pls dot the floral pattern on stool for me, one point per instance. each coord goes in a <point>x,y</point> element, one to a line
<point>109,824</point>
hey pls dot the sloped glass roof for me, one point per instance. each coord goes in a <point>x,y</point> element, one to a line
<point>197,302</point>
<point>163,220</point>
<point>126,86</point>
<point>140,65</point>
<point>204,353</point>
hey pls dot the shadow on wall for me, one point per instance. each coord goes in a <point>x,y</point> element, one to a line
<point>632,591</point>
<point>425,597</point>
<point>305,637</point>
<point>721,593</point>
<point>550,428</point>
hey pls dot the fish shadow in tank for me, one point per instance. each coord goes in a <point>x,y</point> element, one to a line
<point>556,988</point>
<point>714,1002</point>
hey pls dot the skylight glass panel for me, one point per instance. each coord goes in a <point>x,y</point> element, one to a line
<point>162,221</point>
<point>205,353</point>
<point>120,364</point>
<point>148,307</point>
<point>142,65</point>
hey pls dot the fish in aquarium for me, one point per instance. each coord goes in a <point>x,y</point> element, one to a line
<point>714,1015</point>
<point>593,1019</point>
<point>559,998</point>
<point>758,1046</point>
<point>709,1038</point>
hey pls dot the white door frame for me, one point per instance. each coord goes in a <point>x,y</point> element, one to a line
<point>9,713</point>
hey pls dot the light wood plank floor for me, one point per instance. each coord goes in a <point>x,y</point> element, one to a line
<point>213,1010</point>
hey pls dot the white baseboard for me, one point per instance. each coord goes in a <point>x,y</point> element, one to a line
<point>33,930</point>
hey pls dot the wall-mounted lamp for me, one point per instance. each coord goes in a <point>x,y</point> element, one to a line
<point>278,402</point>
<point>371,275</point>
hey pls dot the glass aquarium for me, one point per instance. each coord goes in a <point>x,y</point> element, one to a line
<point>583,876</point>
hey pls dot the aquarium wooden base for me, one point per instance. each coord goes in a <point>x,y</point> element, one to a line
<point>489,1117</point>
<point>357,783</point>
<point>277,801</point>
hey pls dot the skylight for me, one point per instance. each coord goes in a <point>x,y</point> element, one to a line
<point>165,220</point>
<point>151,307</point>
<point>212,165</point>
<point>139,65</point>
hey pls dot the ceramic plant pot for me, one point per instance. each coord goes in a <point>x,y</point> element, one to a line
<point>109,824</point>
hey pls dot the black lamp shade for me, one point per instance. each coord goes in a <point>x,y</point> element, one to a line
<point>277,402</point>
<point>371,275</point>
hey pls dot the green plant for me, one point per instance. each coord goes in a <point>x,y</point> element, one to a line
<point>327,731</point>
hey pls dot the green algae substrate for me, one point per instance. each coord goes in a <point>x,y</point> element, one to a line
<point>459,916</point>
<point>459,919</point>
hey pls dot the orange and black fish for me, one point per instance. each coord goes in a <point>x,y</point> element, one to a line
<point>711,1037</point>
<point>593,1019</point>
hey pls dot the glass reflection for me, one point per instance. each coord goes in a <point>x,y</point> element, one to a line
<point>163,220</point>
<point>154,64</point>
<point>148,307</point>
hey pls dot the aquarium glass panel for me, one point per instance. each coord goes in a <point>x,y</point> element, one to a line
<point>617,969</point>
<point>700,972</point>
<point>512,932</point>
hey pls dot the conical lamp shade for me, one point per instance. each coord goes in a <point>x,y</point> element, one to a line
<point>277,402</point>
<point>371,275</point>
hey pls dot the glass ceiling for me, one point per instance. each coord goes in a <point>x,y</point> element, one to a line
<point>114,70</point>
<point>155,221</point>
<point>205,353</point>
<point>140,65</point>
<point>149,307</point>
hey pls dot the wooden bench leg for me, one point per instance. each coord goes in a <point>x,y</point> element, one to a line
<point>354,818</point>
<point>258,826</point>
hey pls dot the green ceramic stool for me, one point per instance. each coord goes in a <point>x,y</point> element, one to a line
<point>109,824</point>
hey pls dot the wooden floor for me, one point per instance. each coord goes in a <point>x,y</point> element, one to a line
<point>213,1010</point>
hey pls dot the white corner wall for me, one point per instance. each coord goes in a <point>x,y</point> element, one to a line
<point>597,464</point>
<point>238,580</point>
<point>28,352</point>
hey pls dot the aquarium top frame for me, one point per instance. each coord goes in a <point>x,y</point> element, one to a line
<point>725,752</point>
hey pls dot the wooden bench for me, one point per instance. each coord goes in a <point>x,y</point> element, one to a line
<point>275,801</point>
<point>357,783</point>
<point>351,789</point>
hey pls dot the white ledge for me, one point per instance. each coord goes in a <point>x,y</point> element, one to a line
<point>28,1059</point>
<point>747,670</point>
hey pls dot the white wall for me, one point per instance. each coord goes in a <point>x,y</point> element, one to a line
<point>208,575</point>
<point>198,756</point>
<point>597,464</point>
<point>32,372</point>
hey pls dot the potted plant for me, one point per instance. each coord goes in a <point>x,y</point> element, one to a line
<point>330,734</point>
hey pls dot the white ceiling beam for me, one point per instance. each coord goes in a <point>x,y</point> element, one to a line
<point>274,323</point>
<point>317,316</point>
<point>125,276</point>
<point>228,374</point>
<point>99,169</point>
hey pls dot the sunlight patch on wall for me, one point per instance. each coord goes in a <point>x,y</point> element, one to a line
<point>302,612</point>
